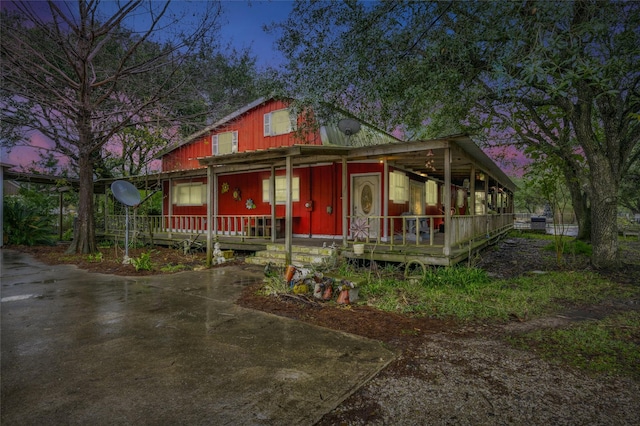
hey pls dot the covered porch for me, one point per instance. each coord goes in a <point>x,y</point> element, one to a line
<point>473,203</point>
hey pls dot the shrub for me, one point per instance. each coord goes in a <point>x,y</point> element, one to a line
<point>26,224</point>
<point>143,262</point>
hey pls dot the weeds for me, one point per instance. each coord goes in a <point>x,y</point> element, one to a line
<point>173,268</point>
<point>106,244</point>
<point>468,294</point>
<point>274,285</point>
<point>608,346</point>
<point>143,262</point>
<point>574,247</point>
<point>95,257</point>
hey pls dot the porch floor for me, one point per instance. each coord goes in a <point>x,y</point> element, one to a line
<point>384,251</point>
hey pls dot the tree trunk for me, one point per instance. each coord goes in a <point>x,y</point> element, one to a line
<point>580,202</point>
<point>604,207</point>
<point>84,239</point>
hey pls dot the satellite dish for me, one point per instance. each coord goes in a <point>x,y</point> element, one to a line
<point>128,195</point>
<point>125,192</point>
<point>349,126</point>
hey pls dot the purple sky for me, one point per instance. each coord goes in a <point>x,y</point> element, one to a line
<point>242,27</point>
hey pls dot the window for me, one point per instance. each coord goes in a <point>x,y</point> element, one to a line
<point>225,143</point>
<point>189,194</point>
<point>277,123</point>
<point>432,193</point>
<point>281,189</point>
<point>398,187</point>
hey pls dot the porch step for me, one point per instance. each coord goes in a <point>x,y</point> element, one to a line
<point>301,255</point>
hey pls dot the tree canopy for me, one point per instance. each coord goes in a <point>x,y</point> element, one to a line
<point>561,78</point>
<point>83,76</point>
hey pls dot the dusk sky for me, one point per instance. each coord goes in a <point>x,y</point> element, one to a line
<point>243,23</point>
<point>242,26</point>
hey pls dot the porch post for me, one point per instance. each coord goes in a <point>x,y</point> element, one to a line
<point>170,212</point>
<point>385,200</point>
<point>447,202</point>
<point>272,197</point>
<point>486,193</point>
<point>210,178</point>
<point>216,207</point>
<point>345,201</point>
<point>288,235</point>
<point>472,190</point>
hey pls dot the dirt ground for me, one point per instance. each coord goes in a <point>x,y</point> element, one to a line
<point>407,335</point>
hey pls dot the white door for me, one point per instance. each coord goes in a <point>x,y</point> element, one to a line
<point>365,200</point>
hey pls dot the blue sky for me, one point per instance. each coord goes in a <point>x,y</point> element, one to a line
<point>245,22</point>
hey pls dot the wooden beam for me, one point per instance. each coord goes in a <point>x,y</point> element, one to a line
<point>447,202</point>
<point>272,198</point>
<point>288,222</point>
<point>210,183</point>
<point>345,201</point>
<point>472,189</point>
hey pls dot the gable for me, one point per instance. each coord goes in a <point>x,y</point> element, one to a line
<point>261,125</point>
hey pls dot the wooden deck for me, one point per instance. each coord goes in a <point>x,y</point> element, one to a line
<point>403,249</point>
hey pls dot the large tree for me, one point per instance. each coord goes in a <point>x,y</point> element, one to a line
<point>83,72</point>
<point>562,77</point>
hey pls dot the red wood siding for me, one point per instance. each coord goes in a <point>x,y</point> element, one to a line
<point>250,128</point>
<point>186,156</point>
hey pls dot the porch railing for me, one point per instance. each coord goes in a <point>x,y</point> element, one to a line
<point>403,230</point>
<point>244,226</point>
<point>428,230</point>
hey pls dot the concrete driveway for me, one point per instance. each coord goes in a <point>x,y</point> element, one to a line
<point>82,348</point>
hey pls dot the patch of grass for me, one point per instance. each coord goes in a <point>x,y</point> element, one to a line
<point>519,233</point>
<point>173,268</point>
<point>468,294</point>
<point>106,244</point>
<point>95,257</point>
<point>575,247</point>
<point>610,346</point>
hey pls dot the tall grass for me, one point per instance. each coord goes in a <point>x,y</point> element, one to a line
<point>468,294</point>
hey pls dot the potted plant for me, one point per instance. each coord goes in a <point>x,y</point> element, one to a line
<point>360,232</point>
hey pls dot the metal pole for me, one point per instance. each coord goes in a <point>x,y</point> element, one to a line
<point>126,237</point>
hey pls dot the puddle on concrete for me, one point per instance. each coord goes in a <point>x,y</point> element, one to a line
<point>18,297</point>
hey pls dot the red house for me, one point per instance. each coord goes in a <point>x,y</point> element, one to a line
<point>265,174</point>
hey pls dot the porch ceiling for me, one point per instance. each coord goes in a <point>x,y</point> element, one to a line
<point>411,156</point>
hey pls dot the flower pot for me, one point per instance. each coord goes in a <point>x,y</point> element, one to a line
<point>353,294</point>
<point>358,249</point>
<point>288,276</point>
<point>343,298</point>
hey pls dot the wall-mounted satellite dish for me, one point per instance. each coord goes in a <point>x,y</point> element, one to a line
<point>126,193</point>
<point>349,126</point>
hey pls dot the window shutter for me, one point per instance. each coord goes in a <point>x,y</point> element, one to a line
<point>214,144</point>
<point>267,124</point>
<point>234,142</point>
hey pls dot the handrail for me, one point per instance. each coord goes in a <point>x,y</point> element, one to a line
<point>402,230</point>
